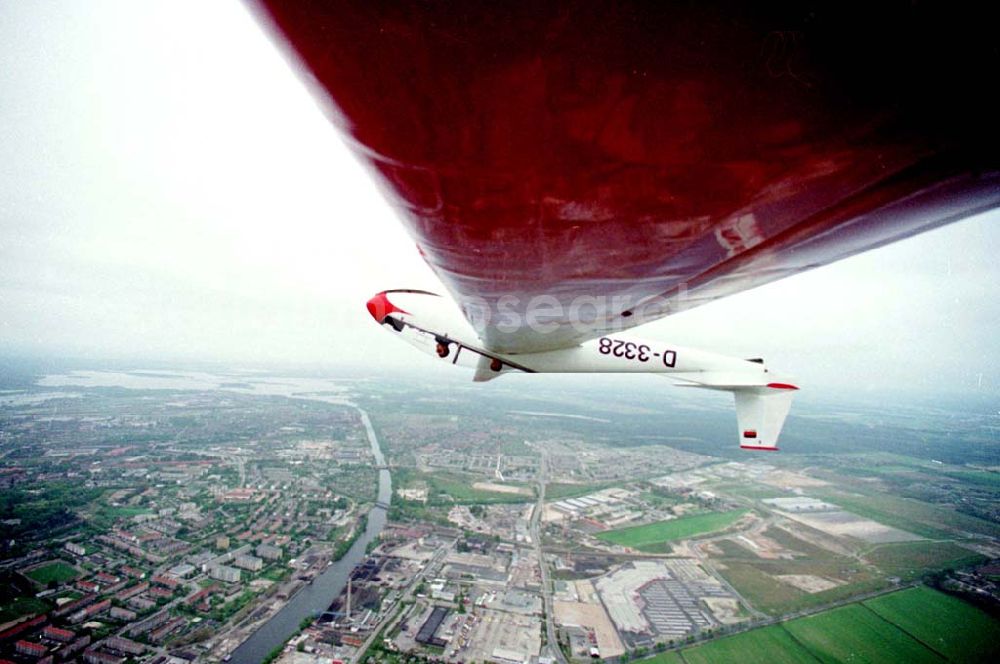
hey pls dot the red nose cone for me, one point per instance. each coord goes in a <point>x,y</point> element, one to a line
<point>380,307</point>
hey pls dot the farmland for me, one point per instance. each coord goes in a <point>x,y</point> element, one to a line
<point>768,645</point>
<point>914,625</point>
<point>853,633</point>
<point>948,625</point>
<point>672,657</point>
<point>651,536</point>
<point>910,559</point>
<point>762,590</point>
<point>910,515</point>
<point>758,582</point>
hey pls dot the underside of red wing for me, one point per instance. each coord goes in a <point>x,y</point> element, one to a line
<point>568,168</point>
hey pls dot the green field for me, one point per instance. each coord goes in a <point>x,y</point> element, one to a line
<point>731,549</point>
<point>449,488</point>
<point>56,571</point>
<point>659,500</point>
<point>651,536</point>
<point>21,606</point>
<point>276,573</point>
<point>853,633</point>
<point>983,477</point>
<point>768,645</point>
<point>787,539</point>
<point>104,516</point>
<point>950,626</point>
<point>912,559</point>
<point>915,625</point>
<point>755,578</point>
<point>672,657</point>
<point>461,491</point>
<point>763,591</point>
<point>756,581</point>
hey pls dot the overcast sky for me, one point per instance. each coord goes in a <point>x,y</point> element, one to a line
<point>169,191</point>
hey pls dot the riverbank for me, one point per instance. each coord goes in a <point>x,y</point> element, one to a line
<point>315,597</point>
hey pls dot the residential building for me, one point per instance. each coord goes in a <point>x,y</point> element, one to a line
<point>224,573</point>
<point>28,648</point>
<point>252,563</point>
<point>57,634</point>
<point>268,552</point>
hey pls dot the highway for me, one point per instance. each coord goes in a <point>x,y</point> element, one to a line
<point>536,535</point>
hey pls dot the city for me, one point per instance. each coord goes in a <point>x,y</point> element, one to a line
<point>159,516</point>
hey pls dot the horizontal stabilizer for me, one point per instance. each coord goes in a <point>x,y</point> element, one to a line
<point>719,380</point>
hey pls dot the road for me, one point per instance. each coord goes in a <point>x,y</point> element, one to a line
<point>536,536</point>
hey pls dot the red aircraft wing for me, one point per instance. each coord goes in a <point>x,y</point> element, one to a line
<point>596,165</point>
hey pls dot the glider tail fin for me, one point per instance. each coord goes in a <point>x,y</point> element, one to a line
<point>762,404</point>
<point>761,412</point>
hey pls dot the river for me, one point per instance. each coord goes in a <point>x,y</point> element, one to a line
<point>315,597</point>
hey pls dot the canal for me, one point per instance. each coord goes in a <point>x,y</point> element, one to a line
<point>315,597</point>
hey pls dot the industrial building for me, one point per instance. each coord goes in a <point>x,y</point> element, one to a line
<point>430,626</point>
<point>651,601</point>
